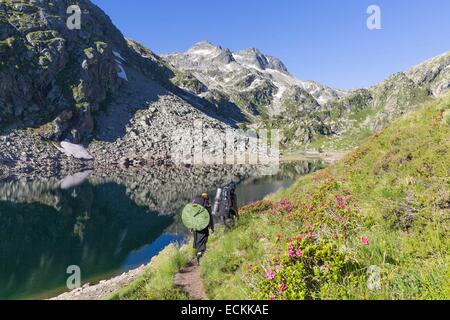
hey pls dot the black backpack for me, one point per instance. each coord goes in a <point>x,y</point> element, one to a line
<point>225,201</point>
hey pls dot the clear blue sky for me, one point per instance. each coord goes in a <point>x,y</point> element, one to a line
<point>322,40</point>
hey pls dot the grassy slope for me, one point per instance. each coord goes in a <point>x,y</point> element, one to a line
<point>386,205</point>
<point>157,282</point>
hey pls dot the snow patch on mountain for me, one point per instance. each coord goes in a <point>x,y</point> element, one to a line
<point>74,150</point>
<point>119,60</point>
<point>118,55</point>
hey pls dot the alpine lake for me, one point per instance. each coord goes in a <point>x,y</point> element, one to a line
<point>107,222</point>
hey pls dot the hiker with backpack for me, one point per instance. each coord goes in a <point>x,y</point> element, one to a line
<point>201,236</point>
<point>228,207</point>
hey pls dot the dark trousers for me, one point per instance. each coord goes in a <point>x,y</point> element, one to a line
<point>200,241</point>
<point>229,220</point>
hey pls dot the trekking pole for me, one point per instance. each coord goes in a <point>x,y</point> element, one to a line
<point>217,202</point>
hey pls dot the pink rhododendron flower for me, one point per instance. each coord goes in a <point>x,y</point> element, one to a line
<point>291,247</point>
<point>273,298</point>
<point>290,253</point>
<point>270,274</point>
<point>340,205</point>
<point>285,205</point>
<point>299,253</point>
<point>282,288</point>
<point>365,241</point>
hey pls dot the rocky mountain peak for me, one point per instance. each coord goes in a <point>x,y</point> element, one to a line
<point>253,81</point>
<point>203,45</point>
<point>255,58</point>
<point>207,52</point>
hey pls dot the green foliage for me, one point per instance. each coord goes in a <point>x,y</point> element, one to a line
<point>446,118</point>
<point>308,270</point>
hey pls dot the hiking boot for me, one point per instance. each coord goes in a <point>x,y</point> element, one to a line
<point>199,256</point>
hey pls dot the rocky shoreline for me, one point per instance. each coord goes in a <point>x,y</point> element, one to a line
<point>23,154</point>
<point>104,288</point>
<point>328,156</point>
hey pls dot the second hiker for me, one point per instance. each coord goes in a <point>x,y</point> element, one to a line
<point>228,207</point>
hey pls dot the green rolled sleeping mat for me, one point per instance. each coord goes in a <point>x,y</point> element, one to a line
<point>195,217</point>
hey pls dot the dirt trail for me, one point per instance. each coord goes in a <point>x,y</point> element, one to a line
<point>188,279</point>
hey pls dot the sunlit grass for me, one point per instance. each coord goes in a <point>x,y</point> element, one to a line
<point>157,282</point>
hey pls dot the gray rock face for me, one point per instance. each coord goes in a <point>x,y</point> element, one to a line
<point>47,68</point>
<point>433,73</point>
<point>49,71</point>
<point>298,99</point>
